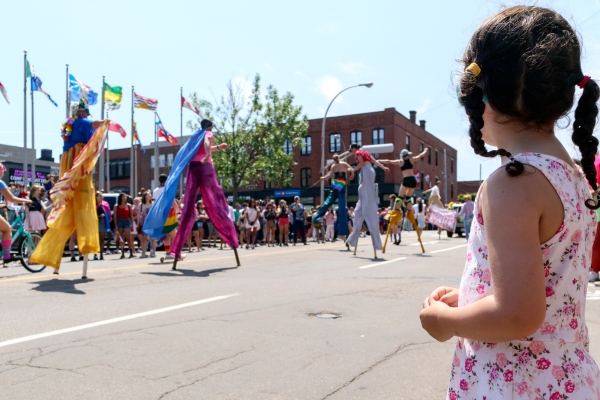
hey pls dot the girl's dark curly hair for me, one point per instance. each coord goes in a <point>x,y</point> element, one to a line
<point>530,60</point>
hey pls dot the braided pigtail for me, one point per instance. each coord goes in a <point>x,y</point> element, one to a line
<point>583,134</point>
<point>472,99</point>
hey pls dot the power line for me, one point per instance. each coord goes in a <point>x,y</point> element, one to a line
<point>590,17</point>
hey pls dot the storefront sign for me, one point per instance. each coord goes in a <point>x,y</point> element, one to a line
<point>286,193</point>
<point>16,175</point>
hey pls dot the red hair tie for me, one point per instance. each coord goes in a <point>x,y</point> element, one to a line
<point>584,81</point>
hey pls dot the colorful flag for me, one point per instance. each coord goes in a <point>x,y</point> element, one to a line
<point>136,138</point>
<point>3,91</point>
<point>113,95</point>
<point>114,127</point>
<point>189,105</point>
<point>80,91</point>
<point>162,132</point>
<point>417,175</point>
<point>144,102</point>
<point>36,83</point>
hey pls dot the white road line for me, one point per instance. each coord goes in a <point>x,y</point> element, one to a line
<point>424,243</point>
<point>382,263</point>
<point>113,320</point>
<point>449,248</point>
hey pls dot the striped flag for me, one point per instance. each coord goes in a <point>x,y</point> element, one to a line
<point>3,91</point>
<point>162,132</point>
<point>36,83</point>
<point>189,105</point>
<point>144,102</point>
<point>136,138</point>
<point>113,95</point>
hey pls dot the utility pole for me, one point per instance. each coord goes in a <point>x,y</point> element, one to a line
<point>445,179</point>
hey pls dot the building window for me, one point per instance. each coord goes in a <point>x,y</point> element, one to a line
<point>305,177</point>
<point>379,175</point>
<point>306,146</point>
<point>151,161</point>
<point>452,190</point>
<point>451,166</point>
<point>152,187</point>
<point>287,147</point>
<point>120,169</point>
<point>161,160</point>
<point>429,155</point>
<point>421,147</point>
<point>269,185</point>
<point>355,180</point>
<point>335,143</point>
<point>169,159</point>
<point>356,137</point>
<point>127,168</point>
<point>422,181</point>
<point>407,142</point>
<point>436,158</point>
<point>378,136</point>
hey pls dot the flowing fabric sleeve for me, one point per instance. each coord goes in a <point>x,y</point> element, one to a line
<point>155,222</point>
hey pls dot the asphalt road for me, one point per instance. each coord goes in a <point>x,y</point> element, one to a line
<point>137,330</point>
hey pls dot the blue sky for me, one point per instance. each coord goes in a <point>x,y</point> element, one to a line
<point>312,49</point>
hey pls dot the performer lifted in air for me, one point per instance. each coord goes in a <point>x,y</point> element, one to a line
<point>366,208</point>
<point>337,174</point>
<point>201,175</point>
<point>409,184</point>
<point>74,196</point>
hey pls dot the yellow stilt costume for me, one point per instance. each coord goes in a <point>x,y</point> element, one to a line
<point>74,202</point>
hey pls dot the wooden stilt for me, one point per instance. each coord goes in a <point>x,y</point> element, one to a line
<point>85,267</point>
<point>355,247</point>
<point>375,251</point>
<point>395,216</point>
<point>174,267</point>
<point>237,258</point>
<point>411,217</point>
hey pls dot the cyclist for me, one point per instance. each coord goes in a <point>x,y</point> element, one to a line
<point>4,225</point>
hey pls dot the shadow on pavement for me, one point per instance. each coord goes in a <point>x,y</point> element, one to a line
<point>60,285</point>
<point>189,272</point>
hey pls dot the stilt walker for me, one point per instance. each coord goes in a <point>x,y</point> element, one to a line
<point>395,218</point>
<point>366,208</point>
<point>73,196</point>
<point>339,183</point>
<point>201,175</point>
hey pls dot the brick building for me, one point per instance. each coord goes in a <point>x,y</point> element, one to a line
<point>387,126</point>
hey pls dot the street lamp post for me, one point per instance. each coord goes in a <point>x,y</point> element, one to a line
<point>369,84</point>
<point>343,144</point>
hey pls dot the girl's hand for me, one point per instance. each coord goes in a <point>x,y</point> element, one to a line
<point>386,169</point>
<point>222,146</point>
<point>26,201</point>
<point>444,294</point>
<point>429,319</point>
<point>204,160</point>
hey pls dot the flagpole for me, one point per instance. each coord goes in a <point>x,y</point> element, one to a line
<point>155,152</point>
<point>181,135</point>
<point>132,178</point>
<point>25,120</point>
<point>107,161</point>
<point>101,166</point>
<point>32,144</point>
<point>67,100</point>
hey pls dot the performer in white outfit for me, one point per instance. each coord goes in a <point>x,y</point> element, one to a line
<point>366,208</point>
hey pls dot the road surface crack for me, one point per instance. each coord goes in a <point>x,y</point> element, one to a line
<point>384,359</point>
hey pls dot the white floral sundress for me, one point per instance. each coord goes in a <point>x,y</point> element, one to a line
<point>554,363</point>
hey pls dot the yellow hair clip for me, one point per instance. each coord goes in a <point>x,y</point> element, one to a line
<point>474,69</point>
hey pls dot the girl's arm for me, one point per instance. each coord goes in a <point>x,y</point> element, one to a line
<point>221,146</point>
<point>325,177</point>
<point>418,157</point>
<point>350,171</point>
<point>518,306</point>
<point>361,163</point>
<point>8,196</point>
<point>380,165</point>
<point>131,216</point>
<point>393,162</point>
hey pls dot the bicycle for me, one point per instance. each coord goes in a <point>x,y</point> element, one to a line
<point>24,243</point>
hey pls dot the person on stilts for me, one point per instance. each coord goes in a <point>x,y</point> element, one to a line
<point>366,208</point>
<point>201,176</point>
<point>74,195</point>
<point>339,183</point>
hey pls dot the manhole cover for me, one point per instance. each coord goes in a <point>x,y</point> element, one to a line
<point>326,316</point>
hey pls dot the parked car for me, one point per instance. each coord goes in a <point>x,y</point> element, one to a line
<point>460,224</point>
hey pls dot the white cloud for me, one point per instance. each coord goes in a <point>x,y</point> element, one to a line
<point>351,67</point>
<point>329,86</point>
<point>268,66</point>
<point>424,106</point>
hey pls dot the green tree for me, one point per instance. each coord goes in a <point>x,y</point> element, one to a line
<point>255,128</point>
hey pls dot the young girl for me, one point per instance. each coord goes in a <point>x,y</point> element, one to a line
<point>124,215</point>
<point>252,224</point>
<point>4,225</point>
<point>284,222</point>
<point>145,206</point>
<point>104,217</point>
<point>270,216</point>
<point>520,311</point>
<point>34,220</point>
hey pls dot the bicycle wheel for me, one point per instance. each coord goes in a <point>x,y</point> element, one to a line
<point>26,248</point>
